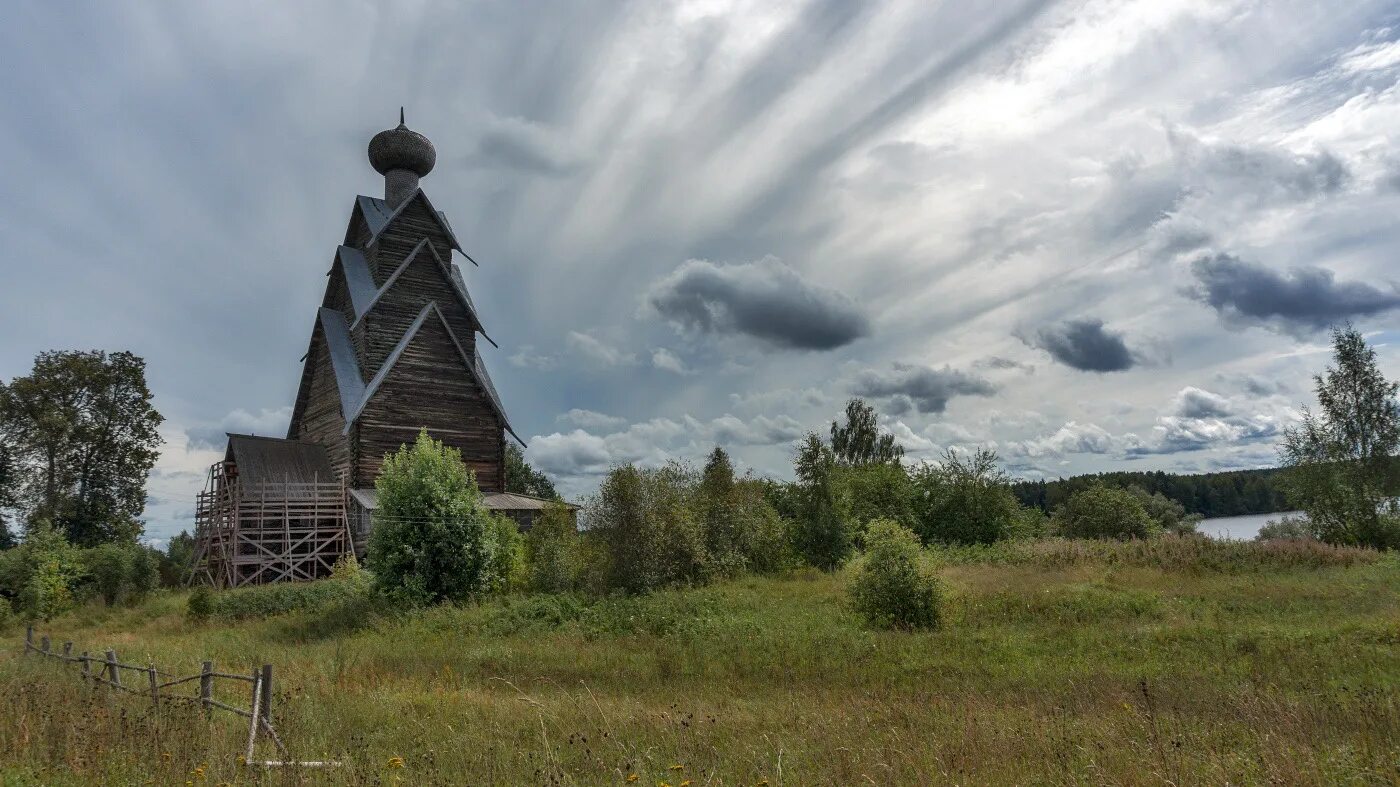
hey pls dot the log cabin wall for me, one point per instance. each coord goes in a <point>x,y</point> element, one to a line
<point>430,387</point>
<point>318,415</point>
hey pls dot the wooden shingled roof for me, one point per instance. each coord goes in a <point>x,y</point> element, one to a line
<point>262,460</point>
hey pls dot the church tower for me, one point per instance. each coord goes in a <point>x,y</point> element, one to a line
<point>392,351</point>
<point>393,345</point>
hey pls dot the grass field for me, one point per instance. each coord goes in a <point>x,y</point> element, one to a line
<point>1092,667</point>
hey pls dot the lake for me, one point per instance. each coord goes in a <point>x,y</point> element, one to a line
<point>1240,528</point>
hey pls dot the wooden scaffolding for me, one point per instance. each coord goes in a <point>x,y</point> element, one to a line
<point>252,530</point>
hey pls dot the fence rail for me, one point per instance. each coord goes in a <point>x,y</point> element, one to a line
<point>148,683</point>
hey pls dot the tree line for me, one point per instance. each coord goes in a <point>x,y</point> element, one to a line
<point>1230,493</point>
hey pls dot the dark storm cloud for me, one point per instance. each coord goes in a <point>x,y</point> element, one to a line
<point>928,389</point>
<point>1084,345</point>
<point>997,362</point>
<point>766,300</point>
<point>1260,170</point>
<point>1304,300</point>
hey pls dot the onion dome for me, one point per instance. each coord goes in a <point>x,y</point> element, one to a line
<point>401,148</point>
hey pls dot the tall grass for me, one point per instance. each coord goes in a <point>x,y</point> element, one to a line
<point>1061,664</point>
<point>1170,552</point>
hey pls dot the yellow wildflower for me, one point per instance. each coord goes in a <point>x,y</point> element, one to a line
<point>395,762</point>
<point>685,783</point>
<point>678,767</point>
<point>631,777</point>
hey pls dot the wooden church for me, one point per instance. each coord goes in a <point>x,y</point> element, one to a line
<point>393,350</point>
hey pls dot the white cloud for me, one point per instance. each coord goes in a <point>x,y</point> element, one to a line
<point>589,419</point>
<point>664,359</point>
<point>267,422</point>
<point>600,353</point>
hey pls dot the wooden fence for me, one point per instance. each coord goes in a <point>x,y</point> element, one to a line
<point>163,688</point>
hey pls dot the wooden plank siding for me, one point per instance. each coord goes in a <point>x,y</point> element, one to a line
<point>430,387</point>
<point>319,418</point>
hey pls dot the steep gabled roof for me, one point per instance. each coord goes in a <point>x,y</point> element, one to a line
<point>263,460</point>
<point>358,279</point>
<point>450,273</point>
<point>348,379</point>
<point>473,367</point>
<point>378,216</point>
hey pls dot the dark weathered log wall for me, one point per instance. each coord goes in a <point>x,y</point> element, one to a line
<point>319,417</point>
<point>431,387</point>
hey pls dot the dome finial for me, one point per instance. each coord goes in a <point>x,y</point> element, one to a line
<point>402,156</point>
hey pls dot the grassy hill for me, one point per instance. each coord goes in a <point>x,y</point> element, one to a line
<point>1056,663</point>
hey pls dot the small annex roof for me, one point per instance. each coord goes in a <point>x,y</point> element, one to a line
<point>262,460</point>
<point>378,216</point>
<point>492,501</point>
<point>363,305</point>
<point>352,406</point>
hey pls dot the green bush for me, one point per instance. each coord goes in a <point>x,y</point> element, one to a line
<point>967,500</point>
<point>552,551</point>
<point>764,539</point>
<point>280,598</point>
<point>865,493</point>
<point>121,573</point>
<point>893,588</point>
<point>200,606</point>
<point>1169,515</point>
<point>507,568</point>
<point>1103,511</point>
<point>43,573</point>
<point>645,521</point>
<point>1288,528</point>
<point>820,536</point>
<point>108,566</point>
<point>432,541</point>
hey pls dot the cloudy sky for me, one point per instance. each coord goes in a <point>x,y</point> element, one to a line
<point>1094,235</point>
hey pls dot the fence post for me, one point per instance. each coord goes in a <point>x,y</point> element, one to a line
<point>87,665</point>
<point>267,693</point>
<point>206,687</point>
<point>67,651</point>
<point>114,675</point>
<point>44,645</point>
<point>155,690</point>
<point>28,639</point>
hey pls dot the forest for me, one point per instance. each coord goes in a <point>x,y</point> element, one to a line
<point>1233,493</point>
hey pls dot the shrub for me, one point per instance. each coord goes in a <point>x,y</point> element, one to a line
<point>645,522</point>
<point>108,566</point>
<point>866,493</point>
<point>1170,516</point>
<point>201,604</point>
<point>1103,511</point>
<point>893,588</point>
<point>507,567</point>
<point>764,539</point>
<point>820,536</point>
<point>742,530</point>
<point>967,501</point>
<point>280,598</point>
<point>552,551</point>
<point>1286,528</point>
<point>431,541</point>
<point>42,573</point>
